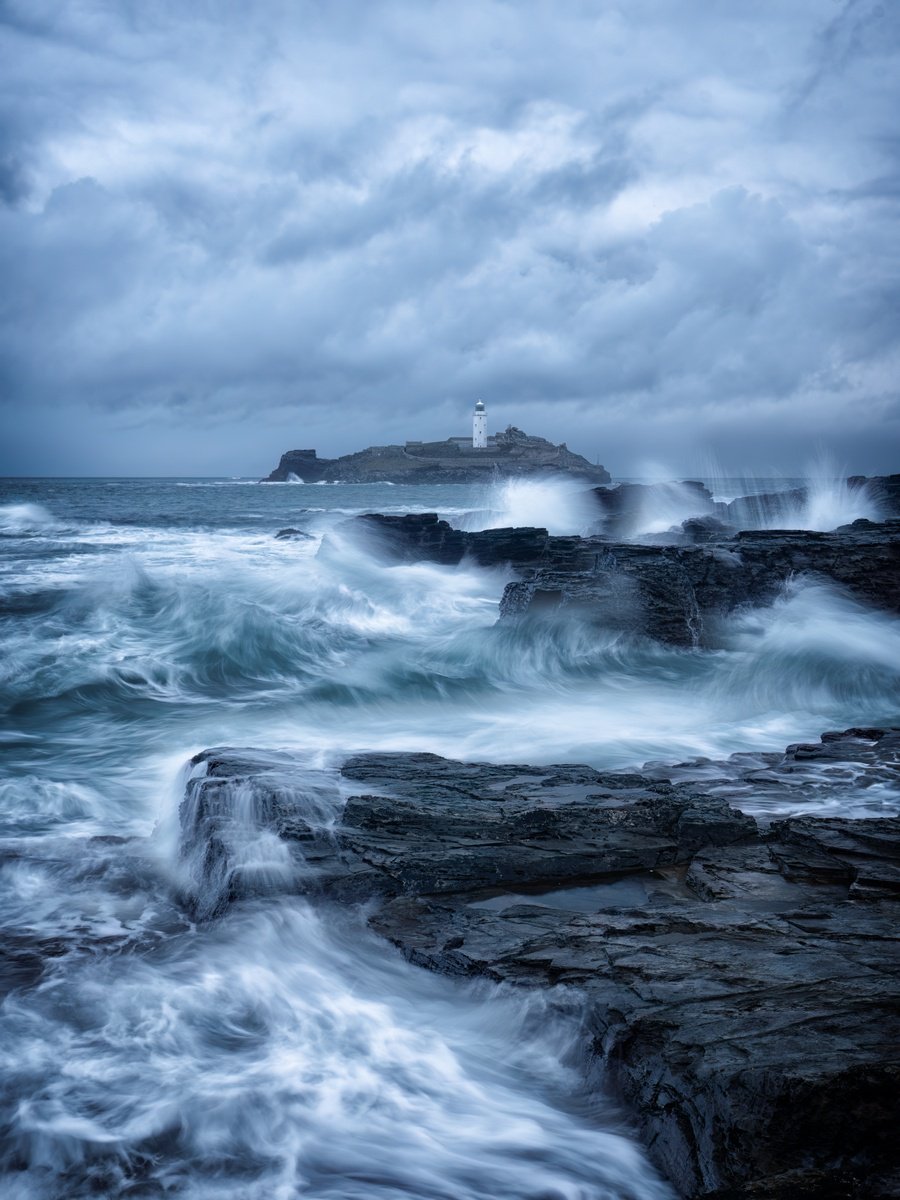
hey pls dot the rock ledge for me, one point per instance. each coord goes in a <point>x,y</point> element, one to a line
<point>739,982</point>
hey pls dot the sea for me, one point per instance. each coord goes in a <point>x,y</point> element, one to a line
<point>282,1050</point>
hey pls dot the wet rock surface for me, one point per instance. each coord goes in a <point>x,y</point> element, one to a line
<point>677,593</point>
<point>738,979</point>
<point>674,593</point>
<point>620,507</point>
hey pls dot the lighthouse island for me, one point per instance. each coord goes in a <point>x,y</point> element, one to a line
<point>479,457</point>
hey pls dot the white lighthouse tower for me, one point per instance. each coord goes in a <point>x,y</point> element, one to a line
<point>479,427</point>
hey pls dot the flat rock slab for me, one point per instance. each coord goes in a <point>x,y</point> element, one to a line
<point>739,983</point>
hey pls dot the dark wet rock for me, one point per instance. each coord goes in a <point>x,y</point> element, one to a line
<point>741,1016</point>
<point>467,842</point>
<point>511,454</point>
<point>295,535</point>
<point>862,764</point>
<point>706,529</point>
<point>622,508</point>
<point>738,982</point>
<point>677,593</point>
<point>231,798</point>
<point>423,537</point>
<point>765,509</point>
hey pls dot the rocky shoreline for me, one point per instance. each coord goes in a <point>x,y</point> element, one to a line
<point>672,592</point>
<point>730,951</point>
<point>736,979</point>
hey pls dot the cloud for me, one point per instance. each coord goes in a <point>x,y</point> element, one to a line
<point>651,228</point>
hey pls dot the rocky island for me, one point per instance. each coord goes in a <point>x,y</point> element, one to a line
<point>506,455</point>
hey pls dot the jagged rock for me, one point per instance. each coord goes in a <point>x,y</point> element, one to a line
<point>675,593</point>
<point>739,984</point>
<point>422,537</point>
<point>622,507</point>
<point>672,593</point>
<point>508,454</point>
<point>750,512</point>
<point>804,776</point>
<point>706,529</point>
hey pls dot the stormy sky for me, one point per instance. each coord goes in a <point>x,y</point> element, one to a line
<point>665,231</point>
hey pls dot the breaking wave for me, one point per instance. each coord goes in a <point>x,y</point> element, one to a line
<point>279,1057</point>
<point>559,506</point>
<point>264,636</point>
<point>19,519</point>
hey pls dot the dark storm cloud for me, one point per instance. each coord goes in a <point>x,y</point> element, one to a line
<point>659,230</point>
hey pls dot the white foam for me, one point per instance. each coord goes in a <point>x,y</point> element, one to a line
<point>26,518</point>
<point>560,506</point>
<point>274,1059</point>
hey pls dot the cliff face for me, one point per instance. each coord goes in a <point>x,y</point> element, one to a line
<point>508,454</point>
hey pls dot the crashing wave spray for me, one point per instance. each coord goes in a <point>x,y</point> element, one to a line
<point>231,843</point>
<point>661,508</point>
<point>559,506</point>
<point>17,520</point>
<point>832,501</point>
<point>822,501</point>
<point>282,1051</point>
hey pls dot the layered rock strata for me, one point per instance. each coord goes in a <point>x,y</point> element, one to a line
<point>738,983</point>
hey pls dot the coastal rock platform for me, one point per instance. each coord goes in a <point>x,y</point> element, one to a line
<point>736,980</point>
<point>674,593</point>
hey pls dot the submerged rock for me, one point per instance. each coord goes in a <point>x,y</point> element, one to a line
<point>738,982</point>
<point>294,535</point>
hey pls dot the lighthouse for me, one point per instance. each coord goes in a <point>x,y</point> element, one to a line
<point>479,427</point>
